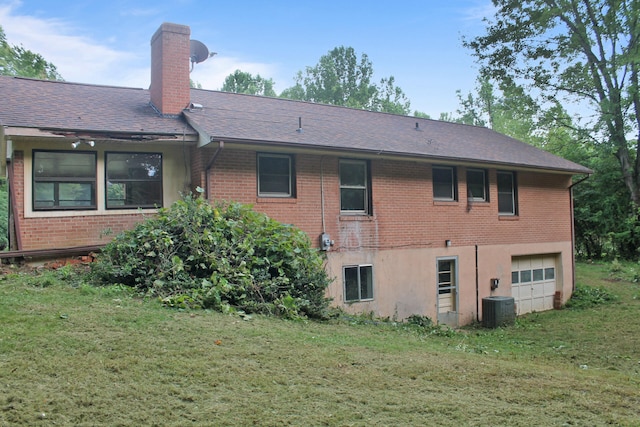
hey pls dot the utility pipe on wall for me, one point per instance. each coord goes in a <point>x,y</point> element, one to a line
<point>207,171</point>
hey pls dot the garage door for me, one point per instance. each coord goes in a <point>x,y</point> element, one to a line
<point>533,282</point>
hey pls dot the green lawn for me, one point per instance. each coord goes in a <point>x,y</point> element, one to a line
<point>73,355</point>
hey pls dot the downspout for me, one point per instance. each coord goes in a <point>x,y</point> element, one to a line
<point>207,171</point>
<point>573,233</point>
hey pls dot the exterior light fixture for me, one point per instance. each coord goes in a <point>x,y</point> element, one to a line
<point>447,243</point>
<point>77,144</point>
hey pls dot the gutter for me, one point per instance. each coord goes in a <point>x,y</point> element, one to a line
<point>573,232</point>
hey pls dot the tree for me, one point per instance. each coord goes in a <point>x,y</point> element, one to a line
<point>18,61</point>
<point>506,109</point>
<point>340,78</point>
<point>584,52</point>
<point>242,82</point>
<point>603,226</point>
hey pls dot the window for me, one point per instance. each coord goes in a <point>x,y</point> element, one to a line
<point>444,183</point>
<point>355,187</point>
<point>538,275</point>
<point>275,175</point>
<point>477,185</point>
<point>358,283</point>
<point>64,180</point>
<point>507,194</point>
<point>133,180</point>
<point>549,273</point>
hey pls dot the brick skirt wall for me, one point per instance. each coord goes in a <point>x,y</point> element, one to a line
<point>68,231</point>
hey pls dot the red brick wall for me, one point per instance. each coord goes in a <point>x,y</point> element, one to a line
<point>64,232</point>
<point>169,89</point>
<point>404,212</point>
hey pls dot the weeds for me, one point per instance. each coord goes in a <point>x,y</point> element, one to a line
<point>588,297</point>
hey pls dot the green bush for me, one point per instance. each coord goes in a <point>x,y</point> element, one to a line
<point>587,297</point>
<point>226,257</point>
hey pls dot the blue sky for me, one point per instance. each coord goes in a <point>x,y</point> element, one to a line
<point>108,42</point>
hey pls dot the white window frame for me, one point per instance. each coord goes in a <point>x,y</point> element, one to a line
<point>289,192</point>
<point>359,268</point>
<point>484,197</point>
<point>364,188</point>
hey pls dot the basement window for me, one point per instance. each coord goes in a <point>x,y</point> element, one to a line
<point>358,283</point>
<point>64,180</point>
<point>133,180</point>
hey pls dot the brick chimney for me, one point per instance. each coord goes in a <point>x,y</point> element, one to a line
<point>170,89</point>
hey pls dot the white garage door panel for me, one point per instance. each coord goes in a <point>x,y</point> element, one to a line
<point>534,282</point>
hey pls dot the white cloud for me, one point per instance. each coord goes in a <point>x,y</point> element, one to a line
<point>483,9</point>
<point>211,73</point>
<point>77,58</point>
<point>80,59</point>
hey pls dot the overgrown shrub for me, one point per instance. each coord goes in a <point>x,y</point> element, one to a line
<point>226,257</point>
<point>588,296</point>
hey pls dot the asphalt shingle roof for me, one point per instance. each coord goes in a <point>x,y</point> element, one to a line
<point>236,117</point>
<point>46,104</point>
<point>229,116</point>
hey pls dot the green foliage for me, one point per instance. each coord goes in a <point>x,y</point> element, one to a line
<point>582,53</point>
<point>340,78</point>
<point>226,257</point>
<point>18,61</point>
<point>242,82</point>
<point>421,321</point>
<point>588,297</point>
<point>606,225</point>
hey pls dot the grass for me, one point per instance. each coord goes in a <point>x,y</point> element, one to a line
<point>74,355</point>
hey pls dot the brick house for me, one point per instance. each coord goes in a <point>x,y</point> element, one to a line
<point>416,216</point>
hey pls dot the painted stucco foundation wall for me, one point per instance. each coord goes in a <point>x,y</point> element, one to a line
<point>405,280</point>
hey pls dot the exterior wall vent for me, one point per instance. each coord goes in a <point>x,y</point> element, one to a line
<point>498,311</point>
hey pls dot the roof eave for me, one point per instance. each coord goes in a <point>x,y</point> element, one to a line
<point>398,155</point>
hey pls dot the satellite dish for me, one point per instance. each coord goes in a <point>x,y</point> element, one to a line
<point>199,52</point>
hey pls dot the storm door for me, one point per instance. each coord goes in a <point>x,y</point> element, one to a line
<point>447,282</point>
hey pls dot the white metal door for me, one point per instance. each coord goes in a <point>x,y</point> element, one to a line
<point>447,288</point>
